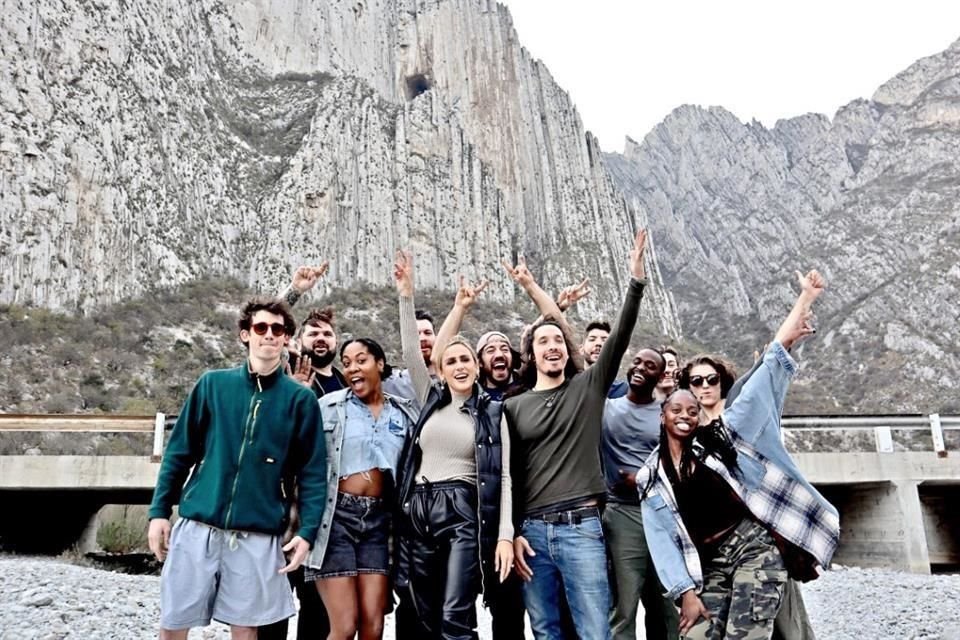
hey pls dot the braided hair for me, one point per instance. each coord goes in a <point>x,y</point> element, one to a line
<point>710,439</point>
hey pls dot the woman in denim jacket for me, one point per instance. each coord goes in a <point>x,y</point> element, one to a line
<point>365,430</point>
<point>727,513</point>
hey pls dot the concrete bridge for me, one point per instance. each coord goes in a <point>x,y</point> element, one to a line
<point>894,479</point>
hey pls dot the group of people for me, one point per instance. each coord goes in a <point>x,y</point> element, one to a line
<point>533,478</point>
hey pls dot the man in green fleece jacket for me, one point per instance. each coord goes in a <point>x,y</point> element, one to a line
<point>242,432</point>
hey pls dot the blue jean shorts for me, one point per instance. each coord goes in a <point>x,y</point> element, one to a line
<point>358,540</point>
<point>228,576</point>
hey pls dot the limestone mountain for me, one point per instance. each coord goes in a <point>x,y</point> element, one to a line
<point>144,144</point>
<point>871,197</point>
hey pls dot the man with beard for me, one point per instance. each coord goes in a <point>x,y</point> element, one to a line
<point>399,383</point>
<point>555,435</point>
<point>318,347</point>
<point>593,340</point>
<point>597,333</point>
<point>499,361</point>
<point>631,431</point>
<point>498,364</point>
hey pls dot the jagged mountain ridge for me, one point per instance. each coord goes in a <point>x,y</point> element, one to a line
<point>146,144</point>
<point>871,197</point>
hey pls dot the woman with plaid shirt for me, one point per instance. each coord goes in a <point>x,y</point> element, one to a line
<point>727,514</point>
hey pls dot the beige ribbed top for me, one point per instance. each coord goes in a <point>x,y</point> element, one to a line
<point>447,442</point>
<point>448,438</point>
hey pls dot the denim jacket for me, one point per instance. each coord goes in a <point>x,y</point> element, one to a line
<point>333,408</point>
<point>766,479</point>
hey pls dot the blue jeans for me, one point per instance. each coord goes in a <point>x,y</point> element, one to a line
<point>571,557</point>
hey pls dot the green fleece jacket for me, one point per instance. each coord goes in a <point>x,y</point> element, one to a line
<point>242,433</point>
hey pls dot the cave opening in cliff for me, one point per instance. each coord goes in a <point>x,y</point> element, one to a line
<point>416,85</point>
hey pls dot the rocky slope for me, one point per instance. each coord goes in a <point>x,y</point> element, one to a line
<point>148,143</point>
<point>871,197</point>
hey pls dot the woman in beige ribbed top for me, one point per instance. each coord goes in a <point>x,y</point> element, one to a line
<point>448,465</point>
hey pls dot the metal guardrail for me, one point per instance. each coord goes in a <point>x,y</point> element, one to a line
<point>882,425</point>
<point>92,424</point>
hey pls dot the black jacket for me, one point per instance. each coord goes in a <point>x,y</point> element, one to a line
<point>486,416</point>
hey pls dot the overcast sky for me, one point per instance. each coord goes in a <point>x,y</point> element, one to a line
<point>628,63</point>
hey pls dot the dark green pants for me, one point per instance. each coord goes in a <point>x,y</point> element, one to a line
<point>635,579</point>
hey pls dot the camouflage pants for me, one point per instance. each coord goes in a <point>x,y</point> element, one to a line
<point>743,584</point>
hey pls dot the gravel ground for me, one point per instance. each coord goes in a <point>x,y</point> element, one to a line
<point>42,598</point>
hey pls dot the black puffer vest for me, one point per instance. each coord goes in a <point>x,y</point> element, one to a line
<point>486,416</point>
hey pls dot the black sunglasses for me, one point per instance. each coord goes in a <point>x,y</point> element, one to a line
<point>711,380</point>
<point>260,328</point>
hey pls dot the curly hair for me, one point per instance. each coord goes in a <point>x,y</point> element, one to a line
<point>723,367</point>
<point>276,306</point>
<point>528,370</point>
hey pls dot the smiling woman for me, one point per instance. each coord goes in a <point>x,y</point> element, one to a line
<point>454,486</point>
<point>710,378</point>
<point>365,431</point>
<point>727,515</point>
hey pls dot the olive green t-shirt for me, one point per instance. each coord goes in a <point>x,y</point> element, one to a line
<point>556,433</point>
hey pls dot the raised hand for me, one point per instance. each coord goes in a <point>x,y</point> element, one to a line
<point>467,294</point>
<point>403,273</point>
<point>520,273</point>
<point>799,322</point>
<point>802,327</point>
<point>637,268</point>
<point>573,294</point>
<point>812,284</point>
<point>305,278</point>
<point>304,373</point>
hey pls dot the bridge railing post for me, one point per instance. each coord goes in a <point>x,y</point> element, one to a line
<point>158,425</point>
<point>884,436</point>
<point>936,430</point>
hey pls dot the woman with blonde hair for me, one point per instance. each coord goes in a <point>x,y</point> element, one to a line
<point>454,524</point>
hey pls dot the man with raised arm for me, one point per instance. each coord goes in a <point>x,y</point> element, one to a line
<point>556,428</point>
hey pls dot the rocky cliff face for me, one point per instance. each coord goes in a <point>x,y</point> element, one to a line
<point>148,143</point>
<point>871,197</point>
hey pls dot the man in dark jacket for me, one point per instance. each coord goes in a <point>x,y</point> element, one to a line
<point>239,434</point>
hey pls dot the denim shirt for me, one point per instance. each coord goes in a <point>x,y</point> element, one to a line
<point>371,443</point>
<point>333,408</point>
<point>766,479</point>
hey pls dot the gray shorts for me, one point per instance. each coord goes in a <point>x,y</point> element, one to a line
<point>227,576</point>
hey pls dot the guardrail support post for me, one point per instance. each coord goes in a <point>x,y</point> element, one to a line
<point>937,432</point>
<point>884,437</point>
<point>158,437</point>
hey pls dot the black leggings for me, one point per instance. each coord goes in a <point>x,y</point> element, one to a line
<point>439,545</point>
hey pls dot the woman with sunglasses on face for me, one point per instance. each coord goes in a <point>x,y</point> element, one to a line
<point>727,514</point>
<point>713,382</point>
<point>453,488</point>
<point>710,378</point>
<point>365,430</point>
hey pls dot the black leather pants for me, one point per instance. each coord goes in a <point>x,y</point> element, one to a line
<point>439,546</point>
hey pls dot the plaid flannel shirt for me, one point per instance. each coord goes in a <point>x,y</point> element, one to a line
<point>766,478</point>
